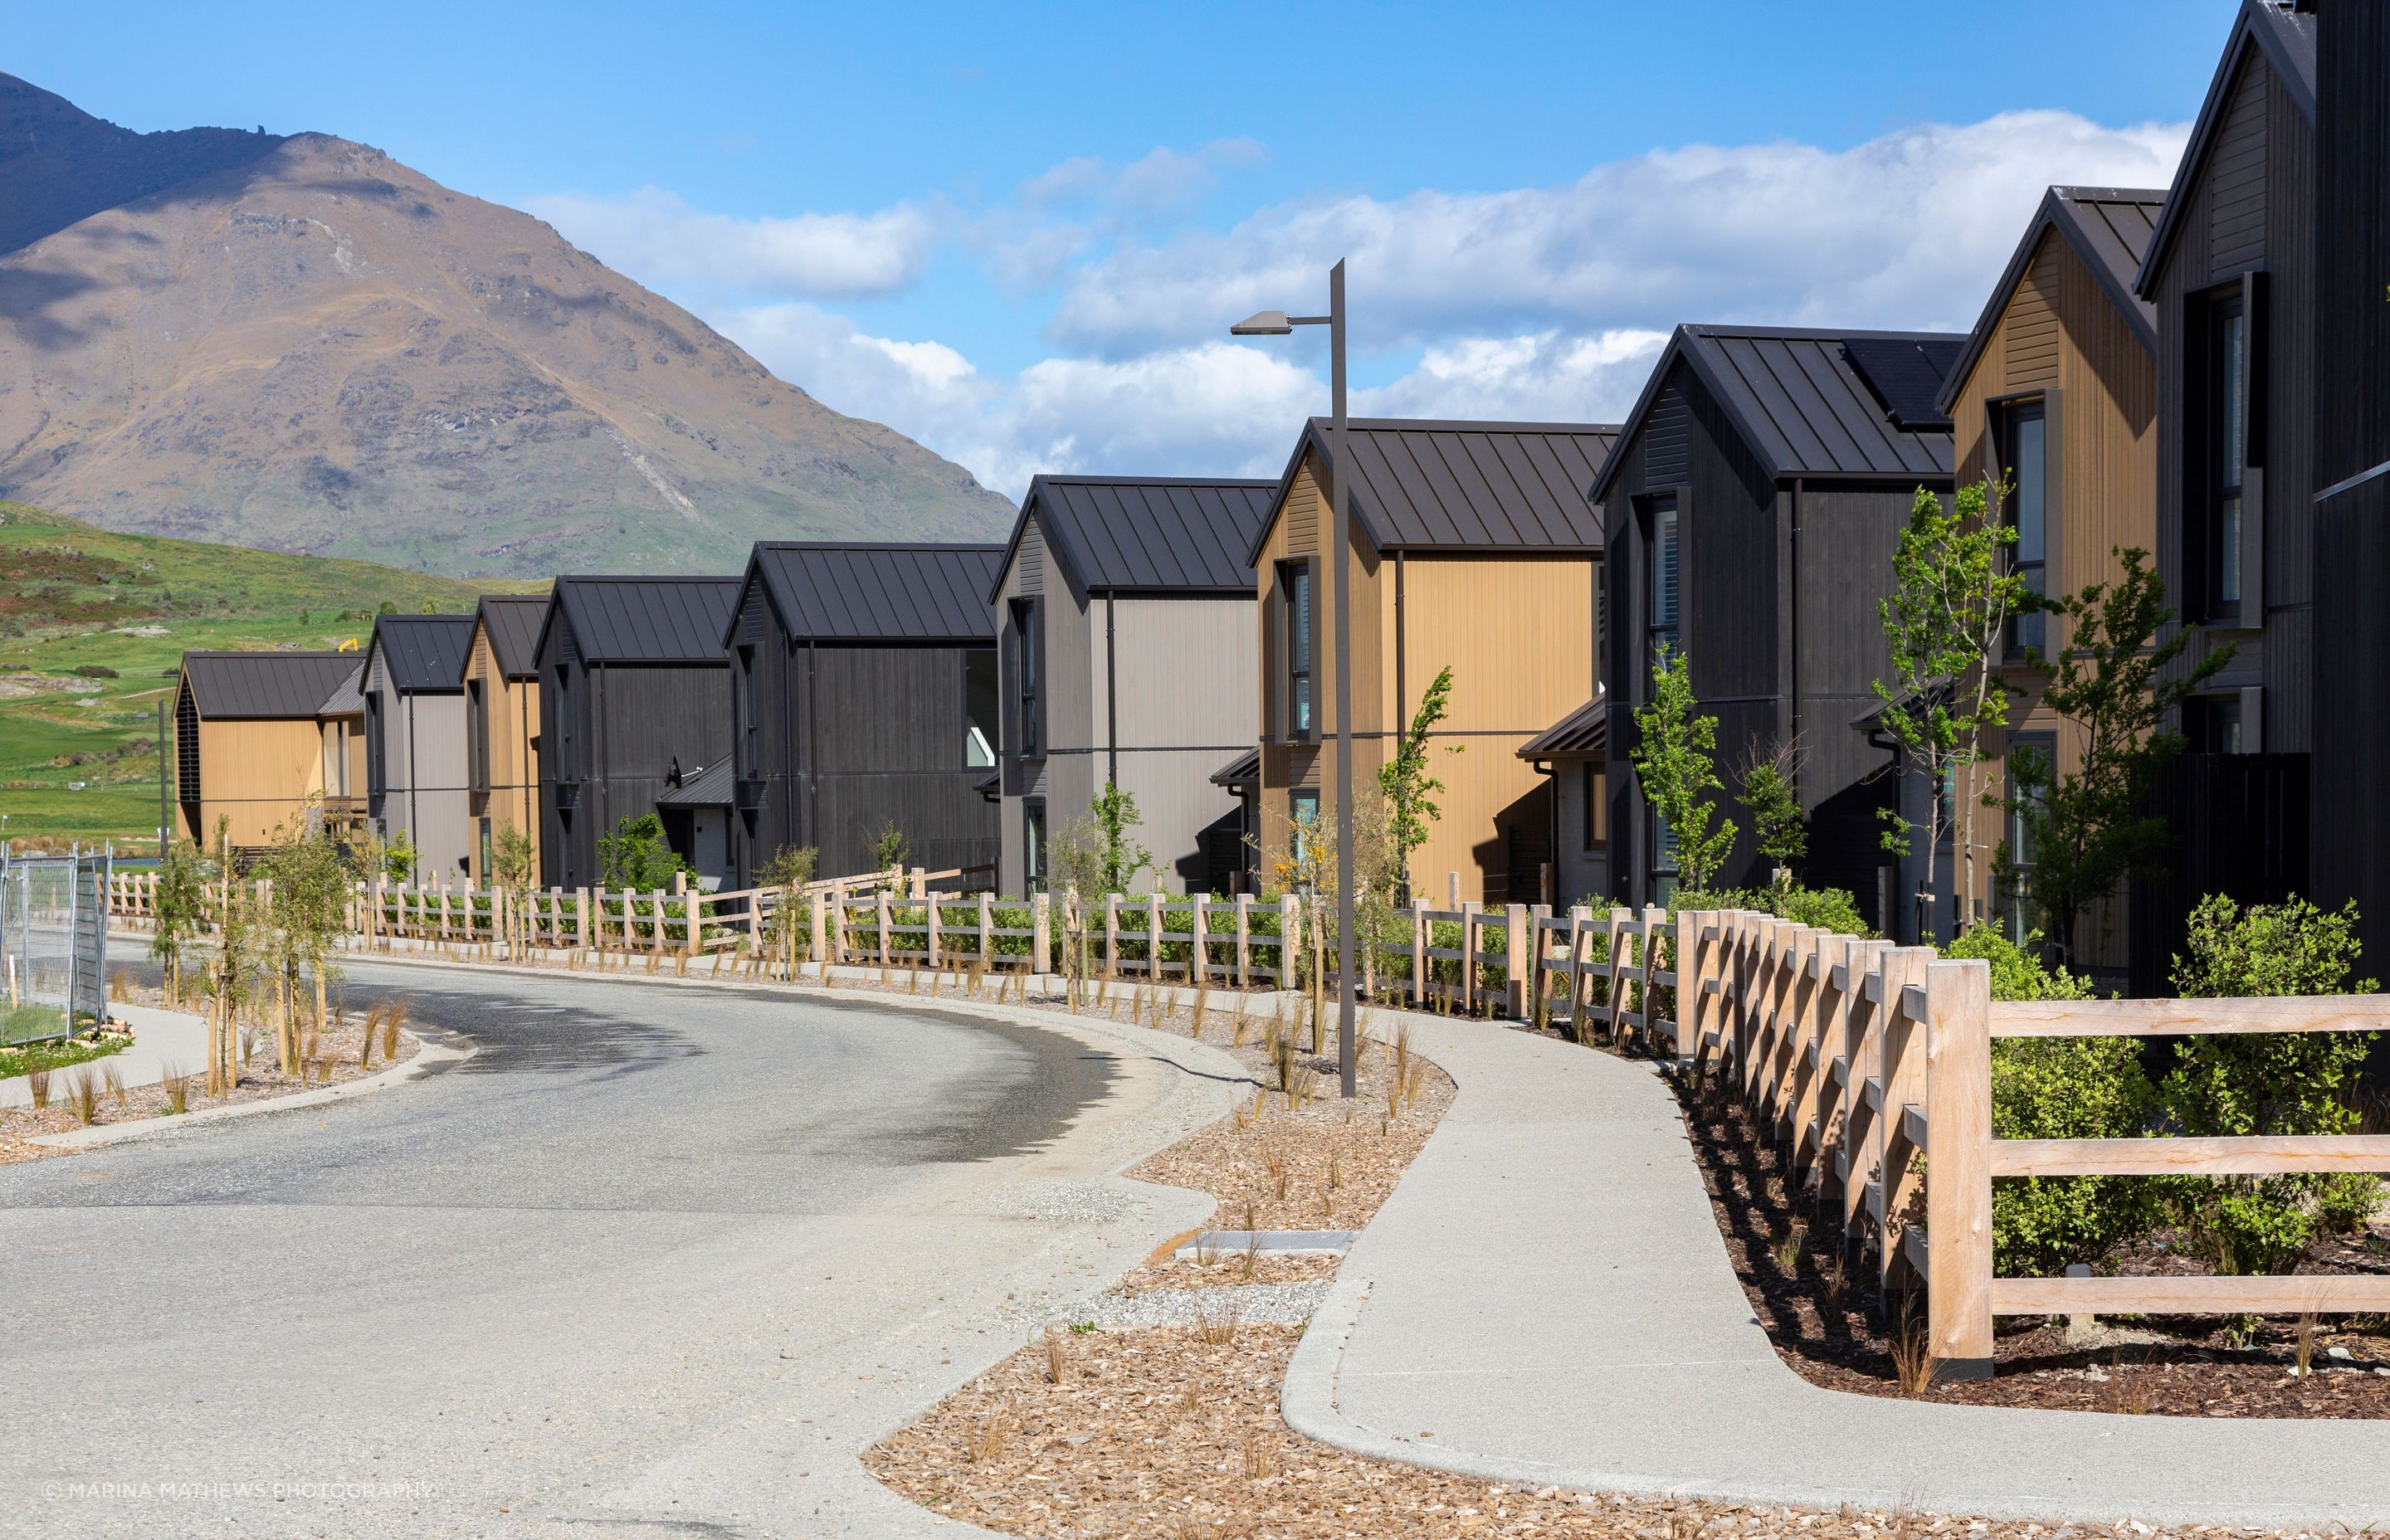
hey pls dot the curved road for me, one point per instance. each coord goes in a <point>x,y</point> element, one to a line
<point>655,1260</point>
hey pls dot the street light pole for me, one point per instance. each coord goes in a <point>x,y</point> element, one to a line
<point>1271,323</point>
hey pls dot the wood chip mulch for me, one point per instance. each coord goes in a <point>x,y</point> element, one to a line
<point>1825,1317</point>
<point>336,1060</point>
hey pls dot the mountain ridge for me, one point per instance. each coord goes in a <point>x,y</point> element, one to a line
<point>316,348</point>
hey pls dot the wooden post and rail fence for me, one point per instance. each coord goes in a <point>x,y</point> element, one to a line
<point>1865,1061</point>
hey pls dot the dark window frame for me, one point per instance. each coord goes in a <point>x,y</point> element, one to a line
<point>1028,676</point>
<point>2028,559</point>
<point>1664,512</point>
<point>1300,827</point>
<point>1298,649</point>
<point>994,728</point>
<point>2226,451</point>
<point>1594,794</point>
<point>376,764</point>
<point>477,737</point>
<point>2013,827</point>
<point>750,735</point>
<point>1033,872</point>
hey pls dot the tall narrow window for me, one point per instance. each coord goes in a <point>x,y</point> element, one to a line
<point>2228,432</point>
<point>377,769</point>
<point>1661,598</point>
<point>564,756</point>
<point>477,739</point>
<point>1295,578</point>
<point>1033,843</point>
<point>750,737</point>
<point>1664,859</point>
<point>979,707</point>
<point>1024,630</point>
<point>2029,759</point>
<point>1302,810</point>
<point>1596,805</point>
<point>2025,440</point>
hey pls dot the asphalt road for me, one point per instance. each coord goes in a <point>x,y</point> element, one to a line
<point>655,1260</point>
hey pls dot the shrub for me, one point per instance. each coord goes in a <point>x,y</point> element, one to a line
<point>2289,1083</point>
<point>637,856</point>
<point>2060,1088</point>
<point>1827,908</point>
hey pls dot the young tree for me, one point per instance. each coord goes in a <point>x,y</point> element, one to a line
<point>787,872</point>
<point>1078,863</point>
<point>299,934</point>
<point>636,856</point>
<point>1405,783</point>
<point>1676,763</point>
<point>1770,776</point>
<point>889,847</point>
<point>1950,605</point>
<point>1113,813</point>
<point>2084,830</point>
<point>182,911</point>
<point>511,856</point>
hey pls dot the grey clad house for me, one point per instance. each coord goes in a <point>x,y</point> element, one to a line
<point>634,701</point>
<point>865,697</point>
<point>1130,656</point>
<point>417,779</point>
<point>1751,509</point>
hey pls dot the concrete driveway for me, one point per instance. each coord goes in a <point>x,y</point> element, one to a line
<point>655,1260</point>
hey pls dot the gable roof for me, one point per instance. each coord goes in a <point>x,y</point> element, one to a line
<point>513,621</point>
<point>1583,734</point>
<point>706,788</point>
<point>645,620</point>
<point>1425,484</point>
<point>425,654</point>
<point>1147,533</point>
<point>846,592</point>
<point>1817,403</point>
<point>2287,39</point>
<point>2110,230</point>
<point>265,687</point>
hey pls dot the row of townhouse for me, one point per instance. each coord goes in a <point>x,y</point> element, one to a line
<point>2201,372</point>
<point>2197,371</point>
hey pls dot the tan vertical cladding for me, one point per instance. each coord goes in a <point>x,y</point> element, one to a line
<point>514,764</point>
<point>257,773</point>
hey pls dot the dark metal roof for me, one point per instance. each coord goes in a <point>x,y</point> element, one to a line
<point>708,787</point>
<point>1244,770</point>
<point>2287,38</point>
<point>231,686</point>
<point>1419,484</point>
<point>1805,406</point>
<point>1149,533</point>
<point>513,622</point>
<point>2109,229</point>
<point>425,653</point>
<point>646,620</point>
<point>829,591</point>
<point>1583,734</point>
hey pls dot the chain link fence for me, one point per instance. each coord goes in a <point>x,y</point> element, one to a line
<point>53,945</point>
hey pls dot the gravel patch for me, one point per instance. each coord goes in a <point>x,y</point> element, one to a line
<point>1245,1304</point>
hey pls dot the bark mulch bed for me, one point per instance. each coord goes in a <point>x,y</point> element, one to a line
<point>1824,1315</point>
<point>338,1055</point>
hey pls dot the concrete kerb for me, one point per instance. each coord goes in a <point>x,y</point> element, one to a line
<point>429,1053</point>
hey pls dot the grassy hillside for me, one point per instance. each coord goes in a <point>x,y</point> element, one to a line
<point>92,625</point>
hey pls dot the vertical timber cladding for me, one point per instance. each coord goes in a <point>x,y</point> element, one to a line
<point>2351,844</point>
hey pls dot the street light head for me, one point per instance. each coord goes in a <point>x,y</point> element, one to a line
<point>1263,323</point>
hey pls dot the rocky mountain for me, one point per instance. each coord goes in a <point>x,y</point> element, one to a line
<point>300,344</point>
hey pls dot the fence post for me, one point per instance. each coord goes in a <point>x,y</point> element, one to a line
<point>1959,1188</point>
<point>1692,974</point>
<point>1041,926</point>
<point>1198,960</point>
<point>690,898</point>
<point>1516,944</point>
<point>1289,923</point>
<point>881,912</point>
<point>1112,935</point>
<point>1620,917</point>
<point>987,929</point>
<point>930,941</point>
<point>1469,912</point>
<point>1898,1073</point>
<point>1244,939</point>
<point>817,931</point>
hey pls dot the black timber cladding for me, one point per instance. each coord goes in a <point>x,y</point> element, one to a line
<point>646,620</point>
<point>264,686</point>
<point>1150,533</point>
<point>1583,734</point>
<point>843,592</point>
<point>513,622</point>
<point>1427,485</point>
<point>2109,229</point>
<point>1803,406</point>
<point>425,654</point>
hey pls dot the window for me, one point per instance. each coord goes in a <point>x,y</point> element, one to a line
<point>2024,453</point>
<point>477,739</point>
<point>2028,753</point>
<point>1294,577</point>
<point>187,746</point>
<point>376,778</point>
<point>1662,591</point>
<point>487,865</point>
<point>1033,843</point>
<point>1024,630</point>
<point>1302,814</point>
<point>1664,859</point>
<point>564,758</point>
<point>749,739</point>
<point>1596,777</point>
<point>979,731</point>
<point>2229,435</point>
<point>2212,725</point>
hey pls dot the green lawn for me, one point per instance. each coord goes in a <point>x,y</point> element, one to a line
<point>25,1021</point>
<point>74,597</point>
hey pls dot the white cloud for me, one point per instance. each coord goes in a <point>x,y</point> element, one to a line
<point>1543,377</point>
<point>657,237</point>
<point>1903,230</point>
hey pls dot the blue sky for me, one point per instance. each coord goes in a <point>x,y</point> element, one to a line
<point>1019,235</point>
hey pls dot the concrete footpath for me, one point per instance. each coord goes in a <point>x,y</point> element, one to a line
<point>164,1041</point>
<point>1545,1300</point>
